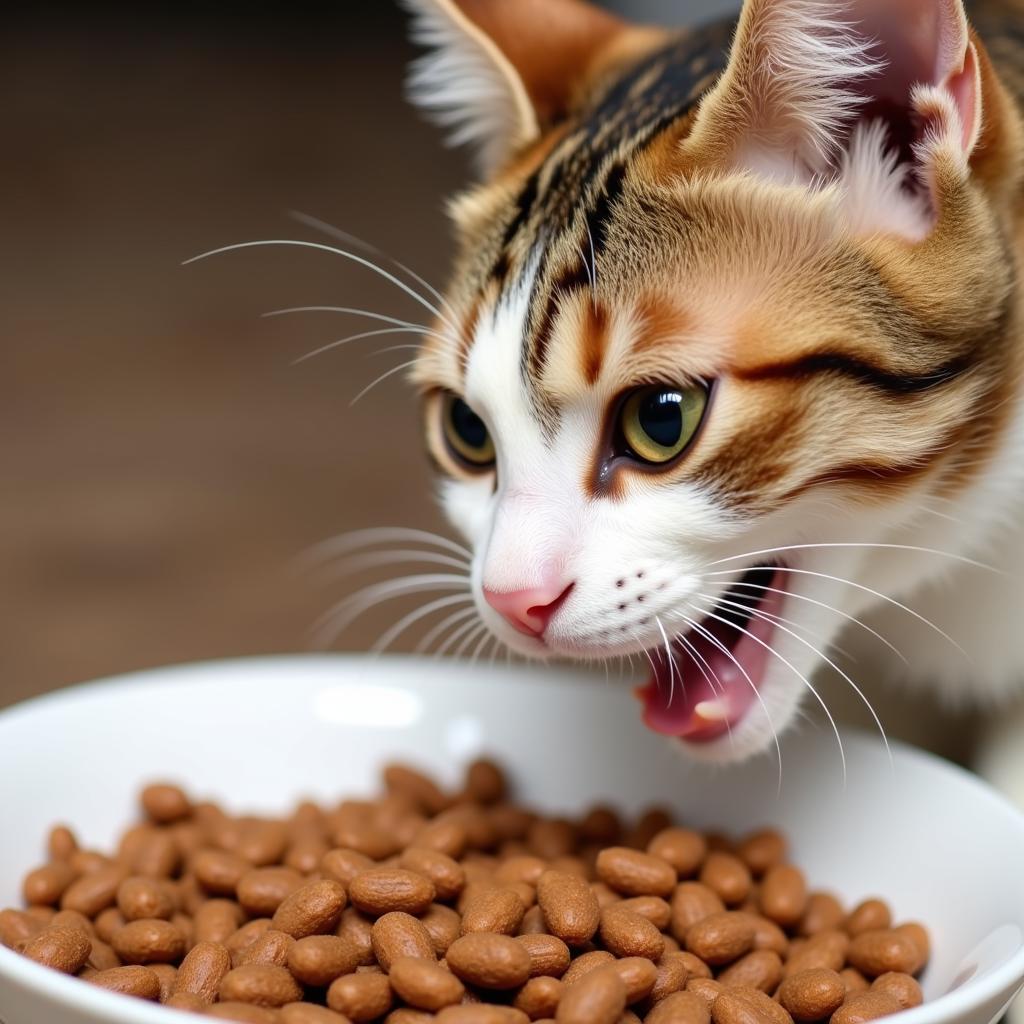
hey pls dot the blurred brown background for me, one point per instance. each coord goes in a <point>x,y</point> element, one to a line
<point>163,463</point>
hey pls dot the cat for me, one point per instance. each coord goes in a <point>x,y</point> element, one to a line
<point>731,356</point>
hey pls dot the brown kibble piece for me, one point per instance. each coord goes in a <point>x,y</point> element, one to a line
<point>539,997</point>
<point>61,843</point>
<point>139,982</point>
<point>259,984</point>
<point>726,876</point>
<point>17,927</point>
<point>762,850</point>
<point>443,926</point>
<point>216,920</point>
<point>654,908</point>
<point>569,907</point>
<point>62,948</point>
<point>598,998</point>
<point>707,990</point>
<point>202,971</point>
<point>633,873</point>
<point>879,952</point>
<point>312,909</point>
<point>485,782</point>
<point>318,960</point>
<point>587,962</point>
<point>343,865</point>
<point>854,981</point>
<point>493,910</point>
<point>149,941</point>
<point>381,891</point>
<point>447,875</point>
<point>823,912</point>
<point>672,975</point>
<point>680,1008</point>
<point>626,934</point>
<point>638,974</point>
<point>261,891</point>
<point>219,871</point>
<point>481,1013</point>
<point>747,1006</point>
<point>812,995</point>
<point>549,955</point>
<point>94,891</point>
<point>683,848</point>
<point>164,803</point>
<point>917,934</point>
<point>44,886</point>
<point>760,969</point>
<point>139,898</point>
<point>721,938</point>
<point>361,997</point>
<point>783,895</point>
<point>397,935</point>
<point>424,984</point>
<point>826,949</point>
<point>902,987</point>
<point>247,1013</point>
<point>868,916</point>
<point>690,903</point>
<point>310,1013</point>
<point>866,1006</point>
<point>272,947</point>
<point>490,961</point>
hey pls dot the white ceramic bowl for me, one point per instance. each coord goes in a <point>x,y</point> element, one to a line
<point>258,734</point>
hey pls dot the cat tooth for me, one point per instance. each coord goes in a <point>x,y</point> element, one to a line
<point>712,711</point>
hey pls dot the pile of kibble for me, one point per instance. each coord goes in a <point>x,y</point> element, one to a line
<point>465,908</point>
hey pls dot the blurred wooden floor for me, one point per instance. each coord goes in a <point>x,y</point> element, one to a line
<point>161,461</point>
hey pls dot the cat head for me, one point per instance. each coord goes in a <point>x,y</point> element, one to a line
<point>729,311</point>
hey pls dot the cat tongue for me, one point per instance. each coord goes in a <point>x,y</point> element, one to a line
<point>705,693</point>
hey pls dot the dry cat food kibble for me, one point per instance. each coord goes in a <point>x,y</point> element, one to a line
<point>464,908</point>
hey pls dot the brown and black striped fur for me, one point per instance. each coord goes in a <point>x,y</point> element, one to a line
<point>864,361</point>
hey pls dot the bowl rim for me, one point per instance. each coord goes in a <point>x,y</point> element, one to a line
<point>72,993</point>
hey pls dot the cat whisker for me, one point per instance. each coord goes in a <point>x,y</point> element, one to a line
<point>693,624</point>
<point>671,662</point>
<point>350,239</point>
<point>469,640</point>
<point>320,247</point>
<point>480,648</point>
<point>362,336</point>
<point>394,321</point>
<point>828,661</point>
<point>873,593</point>
<point>445,624</point>
<point>339,617</point>
<point>771,650</point>
<point>821,604</point>
<point>391,635</point>
<point>335,547</point>
<point>470,627</point>
<point>380,380</point>
<point>374,559</point>
<point>893,547</point>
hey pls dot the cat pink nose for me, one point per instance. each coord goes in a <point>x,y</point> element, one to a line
<point>529,610</point>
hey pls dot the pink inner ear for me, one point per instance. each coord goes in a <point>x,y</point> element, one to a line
<point>922,43</point>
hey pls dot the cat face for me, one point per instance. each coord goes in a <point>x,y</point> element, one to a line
<point>717,335</point>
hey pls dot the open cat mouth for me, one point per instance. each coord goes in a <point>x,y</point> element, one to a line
<point>711,681</point>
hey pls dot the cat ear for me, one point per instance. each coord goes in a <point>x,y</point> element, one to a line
<point>499,72</point>
<point>819,86</point>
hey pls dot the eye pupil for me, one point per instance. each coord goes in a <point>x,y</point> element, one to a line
<point>468,425</point>
<point>661,417</point>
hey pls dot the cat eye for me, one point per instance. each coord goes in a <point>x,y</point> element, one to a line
<point>656,424</point>
<point>466,435</point>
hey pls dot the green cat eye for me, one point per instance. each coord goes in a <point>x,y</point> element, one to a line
<point>466,434</point>
<point>657,423</point>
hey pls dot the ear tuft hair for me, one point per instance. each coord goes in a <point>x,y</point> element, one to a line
<point>467,85</point>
